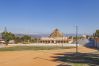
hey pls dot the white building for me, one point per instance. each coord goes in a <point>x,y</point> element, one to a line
<point>55,37</point>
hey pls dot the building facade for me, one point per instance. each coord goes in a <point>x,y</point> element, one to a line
<point>55,37</point>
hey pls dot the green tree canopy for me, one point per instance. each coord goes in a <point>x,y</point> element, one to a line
<point>7,36</point>
<point>97,33</point>
<point>18,39</point>
<point>26,38</point>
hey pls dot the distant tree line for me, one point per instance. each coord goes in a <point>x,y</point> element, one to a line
<point>26,39</point>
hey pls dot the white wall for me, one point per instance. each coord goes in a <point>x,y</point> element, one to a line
<point>43,44</point>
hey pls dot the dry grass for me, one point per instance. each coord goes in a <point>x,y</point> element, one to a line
<point>36,58</point>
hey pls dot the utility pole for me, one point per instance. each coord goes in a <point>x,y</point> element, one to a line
<point>76,39</point>
<point>5,29</point>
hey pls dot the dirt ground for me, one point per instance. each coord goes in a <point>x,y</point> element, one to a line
<point>35,58</point>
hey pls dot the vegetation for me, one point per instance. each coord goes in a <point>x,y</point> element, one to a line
<point>19,48</point>
<point>78,37</point>
<point>35,40</point>
<point>26,39</point>
<point>96,33</point>
<point>17,40</point>
<point>7,36</point>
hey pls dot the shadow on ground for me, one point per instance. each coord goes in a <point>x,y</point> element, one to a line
<point>72,59</point>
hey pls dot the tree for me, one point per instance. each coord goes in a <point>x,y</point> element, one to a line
<point>70,37</point>
<point>7,36</point>
<point>17,39</point>
<point>35,40</point>
<point>97,33</point>
<point>26,38</point>
<point>78,37</point>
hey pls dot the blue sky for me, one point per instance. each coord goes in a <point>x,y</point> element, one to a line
<point>43,16</point>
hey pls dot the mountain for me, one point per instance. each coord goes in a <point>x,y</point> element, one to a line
<point>42,35</point>
<point>33,35</point>
<point>72,34</point>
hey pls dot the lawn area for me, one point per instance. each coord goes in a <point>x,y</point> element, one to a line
<point>20,48</point>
